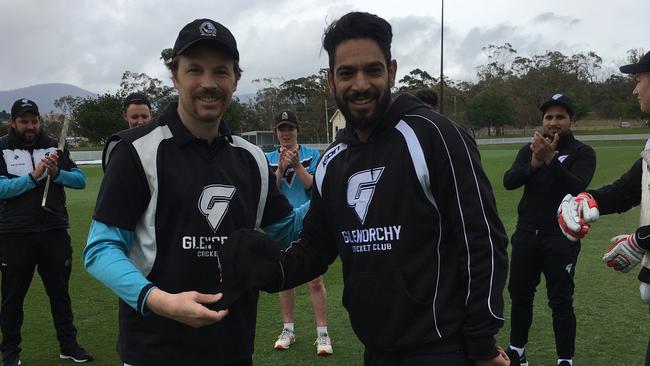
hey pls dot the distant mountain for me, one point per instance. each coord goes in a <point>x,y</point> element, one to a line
<point>43,94</point>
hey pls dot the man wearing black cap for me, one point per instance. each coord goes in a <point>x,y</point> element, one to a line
<point>173,191</point>
<point>294,167</point>
<point>551,166</point>
<point>32,237</point>
<point>137,109</point>
<point>631,189</point>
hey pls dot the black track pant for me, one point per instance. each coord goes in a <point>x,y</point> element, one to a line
<point>20,254</point>
<point>372,358</point>
<point>555,257</point>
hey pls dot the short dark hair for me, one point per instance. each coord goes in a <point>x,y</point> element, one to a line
<point>356,25</point>
<point>172,64</point>
<point>136,98</point>
<point>427,96</point>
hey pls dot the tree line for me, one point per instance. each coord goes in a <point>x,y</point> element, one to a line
<point>508,91</point>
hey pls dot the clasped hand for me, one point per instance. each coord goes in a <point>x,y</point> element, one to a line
<point>543,149</point>
<point>289,158</point>
<point>48,165</point>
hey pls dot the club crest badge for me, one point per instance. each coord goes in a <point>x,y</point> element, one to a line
<point>207,29</point>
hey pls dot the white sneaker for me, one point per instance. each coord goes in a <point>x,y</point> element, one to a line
<point>323,345</point>
<point>285,340</point>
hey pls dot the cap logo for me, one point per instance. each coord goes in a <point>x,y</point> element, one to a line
<point>557,96</point>
<point>285,115</point>
<point>207,29</point>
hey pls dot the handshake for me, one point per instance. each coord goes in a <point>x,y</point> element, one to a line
<point>250,260</point>
<point>575,216</point>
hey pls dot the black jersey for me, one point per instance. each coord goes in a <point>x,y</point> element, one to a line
<point>569,172</point>
<point>182,197</point>
<point>621,196</point>
<point>413,217</point>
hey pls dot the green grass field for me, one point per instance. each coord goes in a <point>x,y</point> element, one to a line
<point>612,321</point>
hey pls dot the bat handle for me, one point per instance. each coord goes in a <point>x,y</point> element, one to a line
<point>47,188</point>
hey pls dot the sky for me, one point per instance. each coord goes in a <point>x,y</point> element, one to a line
<point>91,43</point>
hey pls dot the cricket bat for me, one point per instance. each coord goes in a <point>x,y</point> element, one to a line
<point>60,147</point>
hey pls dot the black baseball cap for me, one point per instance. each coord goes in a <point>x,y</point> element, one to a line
<point>286,118</point>
<point>22,106</point>
<point>137,98</point>
<point>205,30</point>
<point>558,99</point>
<point>638,68</point>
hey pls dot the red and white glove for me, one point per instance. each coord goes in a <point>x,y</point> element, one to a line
<point>575,214</point>
<point>624,254</point>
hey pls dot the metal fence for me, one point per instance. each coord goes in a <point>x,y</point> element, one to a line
<point>94,157</point>
<point>521,140</point>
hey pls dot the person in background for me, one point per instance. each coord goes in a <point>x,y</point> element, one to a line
<point>35,237</point>
<point>136,110</point>
<point>428,98</point>
<point>294,167</point>
<point>554,164</point>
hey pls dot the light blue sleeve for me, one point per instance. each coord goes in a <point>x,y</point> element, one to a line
<point>288,229</point>
<point>105,258</point>
<point>74,178</point>
<point>12,187</point>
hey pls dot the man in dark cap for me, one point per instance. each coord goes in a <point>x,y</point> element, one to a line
<point>173,191</point>
<point>137,109</point>
<point>553,165</point>
<point>631,189</point>
<point>31,236</point>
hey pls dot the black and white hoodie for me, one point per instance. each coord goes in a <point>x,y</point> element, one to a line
<point>412,215</point>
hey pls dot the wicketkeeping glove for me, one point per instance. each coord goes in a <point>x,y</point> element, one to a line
<point>624,254</point>
<point>575,214</point>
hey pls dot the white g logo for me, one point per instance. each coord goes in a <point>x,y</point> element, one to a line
<point>361,188</point>
<point>214,202</point>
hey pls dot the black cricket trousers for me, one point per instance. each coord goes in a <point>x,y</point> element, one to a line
<point>20,254</point>
<point>554,256</point>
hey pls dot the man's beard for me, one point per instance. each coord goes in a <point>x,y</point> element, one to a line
<point>363,123</point>
<point>27,140</point>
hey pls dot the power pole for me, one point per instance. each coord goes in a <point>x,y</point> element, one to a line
<point>327,120</point>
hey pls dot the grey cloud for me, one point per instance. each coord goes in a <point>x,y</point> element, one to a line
<point>416,44</point>
<point>91,43</point>
<point>552,17</point>
<point>468,53</point>
<point>290,51</point>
